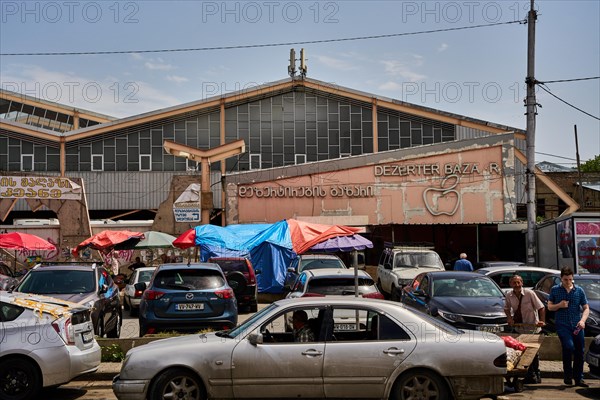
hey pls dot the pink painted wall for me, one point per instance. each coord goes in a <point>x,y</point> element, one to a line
<point>462,187</point>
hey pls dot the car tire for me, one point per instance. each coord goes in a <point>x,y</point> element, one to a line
<point>20,379</point>
<point>101,331</point>
<point>116,331</point>
<point>142,329</point>
<point>395,295</point>
<point>237,281</point>
<point>428,384</point>
<point>253,307</point>
<point>176,382</point>
<point>133,311</point>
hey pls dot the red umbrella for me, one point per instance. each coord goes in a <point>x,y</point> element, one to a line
<point>108,240</point>
<point>24,241</point>
<point>186,240</point>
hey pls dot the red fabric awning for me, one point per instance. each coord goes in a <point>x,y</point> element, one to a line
<point>24,241</point>
<point>108,240</point>
<point>186,240</point>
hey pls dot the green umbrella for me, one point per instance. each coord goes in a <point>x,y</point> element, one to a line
<point>155,240</point>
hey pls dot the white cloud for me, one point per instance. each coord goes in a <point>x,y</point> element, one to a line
<point>401,69</point>
<point>158,66</point>
<point>110,96</point>
<point>177,79</point>
<point>337,63</point>
<point>443,47</point>
<point>390,86</point>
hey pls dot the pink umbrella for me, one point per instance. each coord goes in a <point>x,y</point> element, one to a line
<point>24,241</point>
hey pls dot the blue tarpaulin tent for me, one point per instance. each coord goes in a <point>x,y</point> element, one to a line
<point>270,247</point>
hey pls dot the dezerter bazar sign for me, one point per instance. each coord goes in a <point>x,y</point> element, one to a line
<point>450,170</point>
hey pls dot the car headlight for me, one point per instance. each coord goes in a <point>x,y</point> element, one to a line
<point>404,282</point>
<point>90,304</point>
<point>451,317</point>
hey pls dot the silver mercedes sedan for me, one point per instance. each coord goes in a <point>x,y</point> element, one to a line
<point>375,349</point>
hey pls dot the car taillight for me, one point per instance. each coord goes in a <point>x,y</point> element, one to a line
<point>138,293</point>
<point>64,328</point>
<point>153,294</point>
<point>374,295</point>
<point>225,294</point>
<point>501,360</point>
<point>251,275</point>
<point>313,295</point>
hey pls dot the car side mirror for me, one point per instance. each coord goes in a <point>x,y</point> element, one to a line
<point>141,286</point>
<point>433,311</point>
<point>255,338</point>
<point>103,289</point>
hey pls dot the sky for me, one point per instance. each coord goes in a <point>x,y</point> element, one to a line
<point>478,72</point>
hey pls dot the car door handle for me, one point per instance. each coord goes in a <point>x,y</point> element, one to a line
<point>312,353</point>
<point>393,351</point>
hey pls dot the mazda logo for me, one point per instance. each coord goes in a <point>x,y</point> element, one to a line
<point>189,296</point>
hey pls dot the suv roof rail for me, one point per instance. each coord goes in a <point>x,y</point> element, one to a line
<point>414,245</point>
<point>92,263</point>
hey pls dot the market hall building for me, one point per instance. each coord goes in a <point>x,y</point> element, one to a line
<point>313,151</point>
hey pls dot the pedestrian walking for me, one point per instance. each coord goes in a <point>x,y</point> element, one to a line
<point>571,312</point>
<point>462,264</point>
<point>526,314</point>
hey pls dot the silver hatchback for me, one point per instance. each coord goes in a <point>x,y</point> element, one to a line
<point>43,342</point>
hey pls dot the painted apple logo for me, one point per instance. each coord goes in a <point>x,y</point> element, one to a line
<point>447,196</point>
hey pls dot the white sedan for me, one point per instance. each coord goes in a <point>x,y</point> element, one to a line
<point>388,351</point>
<point>43,342</point>
<point>131,296</point>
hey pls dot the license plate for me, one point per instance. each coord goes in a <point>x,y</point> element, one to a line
<point>493,329</point>
<point>345,327</point>
<point>87,336</point>
<point>593,361</point>
<point>189,306</point>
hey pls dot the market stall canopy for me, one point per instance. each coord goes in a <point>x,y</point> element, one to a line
<point>186,240</point>
<point>109,240</point>
<point>24,241</point>
<point>155,240</point>
<point>343,243</point>
<point>270,247</point>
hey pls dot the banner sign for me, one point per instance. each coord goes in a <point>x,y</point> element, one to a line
<point>35,187</point>
<point>187,207</point>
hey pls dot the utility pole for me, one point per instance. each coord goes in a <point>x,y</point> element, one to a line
<point>531,105</point>
<point>581,200</point>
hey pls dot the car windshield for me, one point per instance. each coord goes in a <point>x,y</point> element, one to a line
<point>58,282</point>
<point>417,260</point>
<point>321,263</point>
<point>145,276</point>
<point>339,286</point>
<point>189,279</point>
<point>591,287</point>
<point>465,287</point>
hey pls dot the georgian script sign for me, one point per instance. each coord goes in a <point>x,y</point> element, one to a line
<point>36,187</point>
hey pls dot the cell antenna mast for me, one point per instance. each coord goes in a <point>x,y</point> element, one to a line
<point>292,66</point>
<point>303,67</point>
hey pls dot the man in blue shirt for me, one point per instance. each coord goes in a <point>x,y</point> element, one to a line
<point>463,264</point>
<point>571,311</point>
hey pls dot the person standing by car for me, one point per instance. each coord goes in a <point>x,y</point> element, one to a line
<point>462,264</point>
<point>522,306</point>
<point>572,310</point>
<point>302,332</point>
<point>137,264</point>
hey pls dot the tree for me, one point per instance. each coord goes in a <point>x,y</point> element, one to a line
<point>592,165</point>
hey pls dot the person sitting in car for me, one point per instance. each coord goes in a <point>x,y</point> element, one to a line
<point>302,331</point>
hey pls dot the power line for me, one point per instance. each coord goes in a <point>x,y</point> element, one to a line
<point>250,46</point>
<point>567,103</point>
<point>569,80</point>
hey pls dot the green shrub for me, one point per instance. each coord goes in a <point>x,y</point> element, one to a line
<point>112,353</point>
